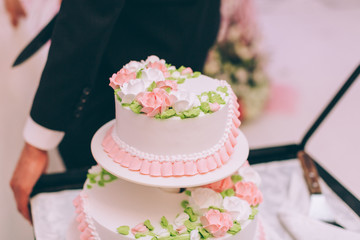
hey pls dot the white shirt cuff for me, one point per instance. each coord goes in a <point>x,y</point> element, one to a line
<point>41,137</point>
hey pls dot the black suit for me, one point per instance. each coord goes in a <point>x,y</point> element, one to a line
<point>93,39</point>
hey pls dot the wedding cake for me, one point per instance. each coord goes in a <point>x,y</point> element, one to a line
<point>171,125</point>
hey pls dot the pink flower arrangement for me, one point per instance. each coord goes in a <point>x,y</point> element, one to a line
<point>216,222</point>
<point>121,77</point>
<point>167,83</point>
<point>186,71</point>
<point>221,185</point>
<point>161,66</point>
<point>249,192</point>
<point>140,228</point>
<point>154,102</point>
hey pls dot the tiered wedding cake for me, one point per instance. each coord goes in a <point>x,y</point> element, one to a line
<point>174,128</point>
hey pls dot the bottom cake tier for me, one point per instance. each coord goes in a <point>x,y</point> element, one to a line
<point>111,208</point>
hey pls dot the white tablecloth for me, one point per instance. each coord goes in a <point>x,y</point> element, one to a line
<point>283,212</point>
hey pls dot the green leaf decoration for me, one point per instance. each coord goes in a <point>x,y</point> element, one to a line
<point>190,225</point>
<point>164,222</point>
<point>192,113</point>
<point>204,233</point>
<point>235,228</point>
<point>223,90</point>
<point>139,73</point>
<point>124,230</point>
<point>135,107</point>
<point>116,94</point>
<point>188,192</point>
<point>185,203</point>
<point>171,230</point>
<point>168,89</point>
<point>228,193</point>
<point>192,216</point>
<point>167,65</point>
<point>125,104</point>
<point>180,69</point>
<point>181,80</point>
<point>151,87</point>
<point>196,74</point>
<point>139,235</point>
<point>168,114</point>
<point>89,186</point>
<point>253,212</point>
<point>148,225</point>
<point>182,237</point>
<point>236,178</point>
<point>215,98</point>
<point>100,178</point>
<point>205,107</point>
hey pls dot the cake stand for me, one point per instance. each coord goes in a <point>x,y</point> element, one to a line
<point>241,152</point>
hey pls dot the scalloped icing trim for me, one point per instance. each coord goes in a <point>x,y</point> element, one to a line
<point>86,224</point>
<point>184,166</point>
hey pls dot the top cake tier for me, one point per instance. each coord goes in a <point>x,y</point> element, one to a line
<point>169,114</point>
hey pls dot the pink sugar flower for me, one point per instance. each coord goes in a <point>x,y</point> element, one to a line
<point>186,71</point>
<point>249,192</point>
<point>167,83</point>
<point>161,66</point>
<point>216,222</point>
<point>182,229</point>
<point>214,107</point>
<point>154,102</point>
<point>121,77</point>
<point>221,185</point>
<point>140,228</point>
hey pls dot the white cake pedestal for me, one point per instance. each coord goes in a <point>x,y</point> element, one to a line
<point>238,158</point>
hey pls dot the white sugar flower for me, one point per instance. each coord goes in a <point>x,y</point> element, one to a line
<point>179,220</point>
<point>153,58</point>
<point>134,66</point>
<point>239,209</point>
<point>175,74</point>
<point>183,100</point>
<point>194,235</point>
<point>131,89</point>
<point>250,175</point>
<point>152,75</point>
<point>203,198</point>
<point>161,233</point>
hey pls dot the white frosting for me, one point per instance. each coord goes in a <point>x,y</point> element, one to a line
<point>203,198</point>
<point>239,209</point>
<point>175,139</point>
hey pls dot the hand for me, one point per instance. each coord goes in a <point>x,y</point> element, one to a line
<point>30,166</point>
<point>15,10</point>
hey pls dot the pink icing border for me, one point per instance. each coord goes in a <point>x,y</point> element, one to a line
<point>87,231</point>
<point>177,168</point>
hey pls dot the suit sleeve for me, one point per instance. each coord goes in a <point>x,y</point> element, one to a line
<point>80,35</point>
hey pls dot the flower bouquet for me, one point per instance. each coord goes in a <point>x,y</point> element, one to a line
<point>236,58</point>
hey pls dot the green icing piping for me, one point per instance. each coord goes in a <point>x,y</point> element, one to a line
<point>100,178</point>
<point>236,178</point>
<point>151,87</point>
<point>235,228</point>
<point>148,225</point>
<point>124,230</point>
<point>253,213</point>
<point>192,216</point>
<point>228,193</point>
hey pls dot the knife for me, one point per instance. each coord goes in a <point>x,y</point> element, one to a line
<point>319,207</point>
<point>36,43</point>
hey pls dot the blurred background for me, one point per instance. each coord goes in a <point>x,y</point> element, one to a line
<point>285,59</point>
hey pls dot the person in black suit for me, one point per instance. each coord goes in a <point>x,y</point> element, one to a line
<point>90,41</point>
